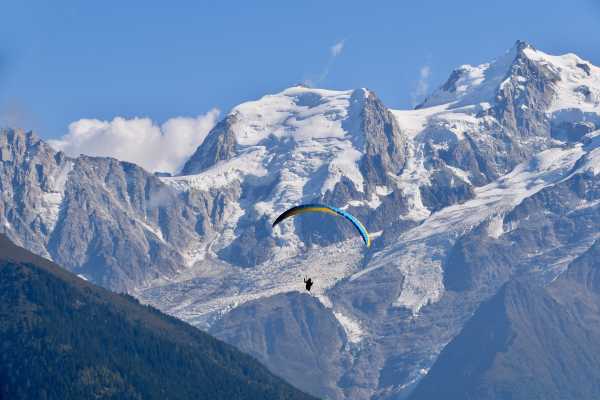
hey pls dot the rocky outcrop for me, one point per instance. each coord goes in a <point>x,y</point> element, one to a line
<point>525,95</point>
<point>385,144</point>
<point>32,183</point>
<point>219,145</point>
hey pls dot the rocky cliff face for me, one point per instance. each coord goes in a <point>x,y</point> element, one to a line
<point>109,221</point>
<point>33,179</point>
<point>219,145</point>
<point>494,176</point>
<point>294,332</point>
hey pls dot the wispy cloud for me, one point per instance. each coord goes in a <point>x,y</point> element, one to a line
<point>337,48</point>
<point>334,52</point>
<point>139,140</point>
<point>422,87</point>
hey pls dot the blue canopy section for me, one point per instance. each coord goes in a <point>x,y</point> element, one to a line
<point>303,208</point>
<point>361,228</point>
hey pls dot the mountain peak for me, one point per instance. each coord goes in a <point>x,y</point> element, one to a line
<point>296,114</point>
<point>521,45</point>
<point>522,64</point>
<point>474,84</point>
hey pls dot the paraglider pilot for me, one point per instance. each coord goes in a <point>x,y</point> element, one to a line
<point>308,283</point>
<point>315,207</point>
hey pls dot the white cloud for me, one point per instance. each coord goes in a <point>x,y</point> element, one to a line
<point>422,87</point>
<point>139,140</point>
<point>337,48</point>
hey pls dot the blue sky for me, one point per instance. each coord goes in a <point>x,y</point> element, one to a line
<point>67,60</point>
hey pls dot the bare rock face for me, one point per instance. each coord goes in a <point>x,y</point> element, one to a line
<point>219,145</point>
<point>525,95</point>
<point>114,211</point>
<point>298,337</point>
<point>386,145</point>
<point>445,189</point>
<point>32,181</point>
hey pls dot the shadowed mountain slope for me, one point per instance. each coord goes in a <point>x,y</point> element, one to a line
<point>527,342</point>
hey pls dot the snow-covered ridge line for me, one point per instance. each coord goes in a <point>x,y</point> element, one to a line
<point>310,129</point>
<point>579,83</point>
<point>577,86</point>
<point>222,174</point>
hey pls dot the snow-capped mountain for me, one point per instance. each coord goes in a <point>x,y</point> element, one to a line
<point>442,205</point>
<point>494,175</point>
<point>296,146</point>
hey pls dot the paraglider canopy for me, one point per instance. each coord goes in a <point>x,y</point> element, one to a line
<point>304,208</point>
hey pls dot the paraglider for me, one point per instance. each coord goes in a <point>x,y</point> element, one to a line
<point>308,282</point>
<point>304,208</point>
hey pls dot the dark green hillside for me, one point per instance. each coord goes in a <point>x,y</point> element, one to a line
<point>63,338</point>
